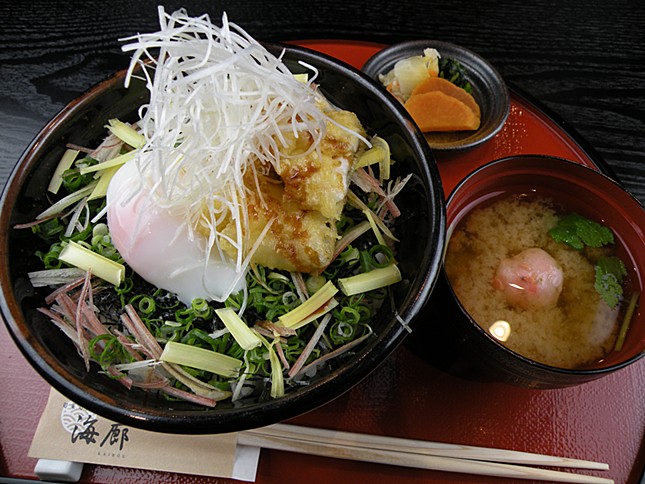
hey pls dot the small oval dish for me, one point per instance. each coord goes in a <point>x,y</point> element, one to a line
<point>488,89</point>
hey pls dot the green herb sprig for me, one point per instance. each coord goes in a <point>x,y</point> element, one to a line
<point>579,232</point>
<point>610,272</point>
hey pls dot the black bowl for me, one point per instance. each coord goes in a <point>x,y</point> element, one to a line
<point>489,90</point>
<point>421,230</point>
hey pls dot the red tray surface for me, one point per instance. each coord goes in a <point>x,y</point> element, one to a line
<point>603,420</point>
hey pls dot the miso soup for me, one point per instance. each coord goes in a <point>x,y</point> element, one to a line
<point>564,322</point>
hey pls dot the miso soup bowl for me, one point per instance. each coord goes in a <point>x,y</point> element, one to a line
<point>579,189</point>
<point>83,122</point>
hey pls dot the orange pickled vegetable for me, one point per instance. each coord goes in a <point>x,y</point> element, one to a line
<point>447,87</point>
<point>438,111</point>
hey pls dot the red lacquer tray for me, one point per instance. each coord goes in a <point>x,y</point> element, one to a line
<point>603,420</point>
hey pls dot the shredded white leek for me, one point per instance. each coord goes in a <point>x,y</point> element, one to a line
<point>136,365</point>
<point>220,105</point>
<point>74,221</point>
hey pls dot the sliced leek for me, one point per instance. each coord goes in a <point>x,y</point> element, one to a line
<point>126,133</point>
<point>245,336</point>
<point>104,181</point>
<point>368,281</point>
<point>100,266</point>
<point>201,359</point>
<point>277,378</point>
<point>63,165</point>
<point>116,161</point>
<point>52,277</point>
<point>310,306</point>
<point>378,153</point>
<point>329,305</point>
<point>301,77</point>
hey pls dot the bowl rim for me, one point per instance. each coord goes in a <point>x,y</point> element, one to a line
<point>200,420</point>
<point>584,372</point>
<point>387,57</point>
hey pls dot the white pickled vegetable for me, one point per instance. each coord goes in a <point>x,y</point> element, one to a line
<point>412,71</point>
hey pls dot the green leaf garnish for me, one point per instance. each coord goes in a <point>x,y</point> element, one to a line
<point>453,71</point>
<point>577,231</point>
<point>610,272</point>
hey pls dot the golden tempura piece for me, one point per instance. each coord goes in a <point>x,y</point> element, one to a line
<point>319,180</point>
<point>302,197</point>
<point>298,240</point>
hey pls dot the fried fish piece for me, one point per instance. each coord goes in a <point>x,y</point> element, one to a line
<point>298,240</point>
<point>319,180</point>
<point>302,197</point>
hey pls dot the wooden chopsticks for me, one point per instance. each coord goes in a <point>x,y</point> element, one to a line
<point>419,453</point>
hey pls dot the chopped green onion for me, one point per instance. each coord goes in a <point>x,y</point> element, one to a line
<point>380,256</point>
<point>201,308</point>
<point>106,349</point>
<point>314,283</point>
<point>78,256</point>
<point>368,281</point>
<point>201,359</point>
<point>100,229</point>
<point>63,165</point>
<point>73,179</point>
<point>146,304</point>
<point>126,133</point>
<point>245,336</point>
<point>184,315</point>
<point>310,306</point>
<point>349,315</point>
